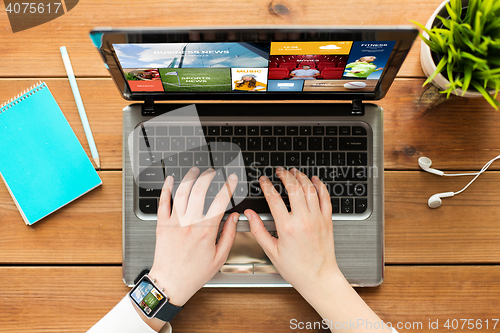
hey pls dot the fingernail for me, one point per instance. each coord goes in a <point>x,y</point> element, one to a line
<point>232,176</point>
<point>264,177</point>
<point>249,216</point>
<point>279,169</point>
<point>236,218</point>
<point>193,169</point>
<point>294,169</point>
<point>170,180</point>
<point>315,177</point>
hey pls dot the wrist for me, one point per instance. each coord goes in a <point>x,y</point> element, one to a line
<point>175,295</point>
<point>323,285</point>
<point>155,323</point>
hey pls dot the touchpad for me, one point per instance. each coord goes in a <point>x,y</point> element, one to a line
<point>246,250</point>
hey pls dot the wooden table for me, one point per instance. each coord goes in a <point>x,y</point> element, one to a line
<point>64,273</point>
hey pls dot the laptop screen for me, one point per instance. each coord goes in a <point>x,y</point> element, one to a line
<point>187,64</point>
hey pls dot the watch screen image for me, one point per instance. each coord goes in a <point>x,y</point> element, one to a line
<point>147,297</point>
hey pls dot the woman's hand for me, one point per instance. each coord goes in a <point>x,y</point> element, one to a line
<point>304,252</point>
<point>186,256</point>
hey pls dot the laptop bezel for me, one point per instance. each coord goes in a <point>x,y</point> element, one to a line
<point>404,36</point>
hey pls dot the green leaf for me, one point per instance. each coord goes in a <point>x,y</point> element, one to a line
<point>439,68</point>
<point>467,79</point>
<point>494,103</point>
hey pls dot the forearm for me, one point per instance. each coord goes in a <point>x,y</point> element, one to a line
<point>338,303</point>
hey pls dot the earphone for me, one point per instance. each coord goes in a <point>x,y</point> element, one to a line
<point>435,200</point>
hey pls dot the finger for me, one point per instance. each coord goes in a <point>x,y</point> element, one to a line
<point>198,193</point>
<point>295,193</point>
<point>182,193</point>
<point>308,189</point>
<point>226,238</point>
<point>164,208</point>
<point>324,197</point>
<point>219,205</point>
<point>268,243</point>
<point>274,200</point>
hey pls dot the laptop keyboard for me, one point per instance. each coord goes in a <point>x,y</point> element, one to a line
<point>335,152</point>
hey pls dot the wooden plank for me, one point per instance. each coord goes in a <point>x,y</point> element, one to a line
<point>72,299</point>
<point>457,134</point>
<point>35,52</point>
<point>86,231</point>
<point>464,230</point>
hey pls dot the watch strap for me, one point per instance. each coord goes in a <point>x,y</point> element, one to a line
<point>168,312</point>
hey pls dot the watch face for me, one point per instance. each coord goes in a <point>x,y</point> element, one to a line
<point>147,297</point>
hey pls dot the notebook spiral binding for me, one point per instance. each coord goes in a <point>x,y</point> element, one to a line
<point>25,94</point>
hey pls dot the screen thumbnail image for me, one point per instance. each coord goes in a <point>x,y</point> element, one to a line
<point>143,79</point>
<point>196,79</point>
<point>192,55</point>
<point>368,59</point>
<point>249,79</point>
<point>341,85</point>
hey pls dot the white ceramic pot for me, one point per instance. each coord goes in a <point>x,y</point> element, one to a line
<point>428,65</point>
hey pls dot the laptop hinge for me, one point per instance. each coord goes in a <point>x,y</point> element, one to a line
<point>358,108</point>
<point>148,108</point>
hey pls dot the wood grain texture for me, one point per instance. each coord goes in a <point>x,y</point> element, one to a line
<point>72,299</point>
<point>464,230</point>
<point>457,134</point>
<point>38,53</point>
<point>86,231</point>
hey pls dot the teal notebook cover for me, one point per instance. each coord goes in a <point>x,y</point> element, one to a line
<point>42,163</point>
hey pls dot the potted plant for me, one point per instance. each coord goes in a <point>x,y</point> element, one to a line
<point>460,50</point>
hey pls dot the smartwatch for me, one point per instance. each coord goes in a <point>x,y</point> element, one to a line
<point>152,301</point>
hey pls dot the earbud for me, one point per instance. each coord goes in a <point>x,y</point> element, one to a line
<point>435,201</point>
<point>425,163</point>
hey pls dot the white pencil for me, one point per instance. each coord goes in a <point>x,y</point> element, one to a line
<point>79,105</point>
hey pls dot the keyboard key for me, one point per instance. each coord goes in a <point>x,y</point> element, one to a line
<point>147,130</point>
<point>148,206</point>
<point>248,158</point>
<point>240,142</point>
<point>315,143</point>
<point>151,174</point>
<point>254,143</point>
<point>222,144</point>
<point>353,143</point>
<point>186,159</point>
<point>201,159</point>
<point>170,159</point>
<point>212,190</point>
<point>307,159</point>
<point>230,157</point>
<point>350,173</point>
<point>193,143</point>
<point>252,174</point>
<point>163,144</point>
<point>323,159</point>
<point>161,131</point>
<point>174,130</point>
<point>292,159</point>
<point>325,174</point>
<point>209,139</point>
<point>361,205</point>
<point>178,143</point>
<point>205,130</point>
<point>284,143</point>
<point>360,190</point>
<point>345,130</point>
<point>262,159</point>
<point>309,172</point>
<point>357,159</point>
<point>255,190</point>
<point>150,189</point>
<point>330,143</point>
<point>292,130</point>
<point>227,130</point>
<point>277,159</point>
<point>148,159</point>
<point>213,130</point>
<point>174,172</point>
<point>335,205</point>
<point>240,130</point>
<point>241,190</point>
<point>184,172</point>
<point>318,130</point>
<point>266,130</point>
<point>305,130</point>
<point>279,130</point>
<point>347,205</point>
<point>236,170</point>
<point>358,130</point>
<point>217,159</point>
<point>299,143</point>
<point>145,144</point>
<point>187,130</point>
<point>253,130</point>
<point>269,143</point>
<point>331,130</point>
<point>338,159</point>
<point>338,189</point>
<point>199,131</point>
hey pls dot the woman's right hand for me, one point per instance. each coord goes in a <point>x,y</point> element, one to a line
<point>304,252</point>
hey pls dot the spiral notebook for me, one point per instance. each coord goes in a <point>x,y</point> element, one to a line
<point>42,163</point>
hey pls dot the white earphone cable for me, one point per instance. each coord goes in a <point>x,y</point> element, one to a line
<point>486,166</point>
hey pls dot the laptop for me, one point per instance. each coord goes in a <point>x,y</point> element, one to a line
<point>245,101</point>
